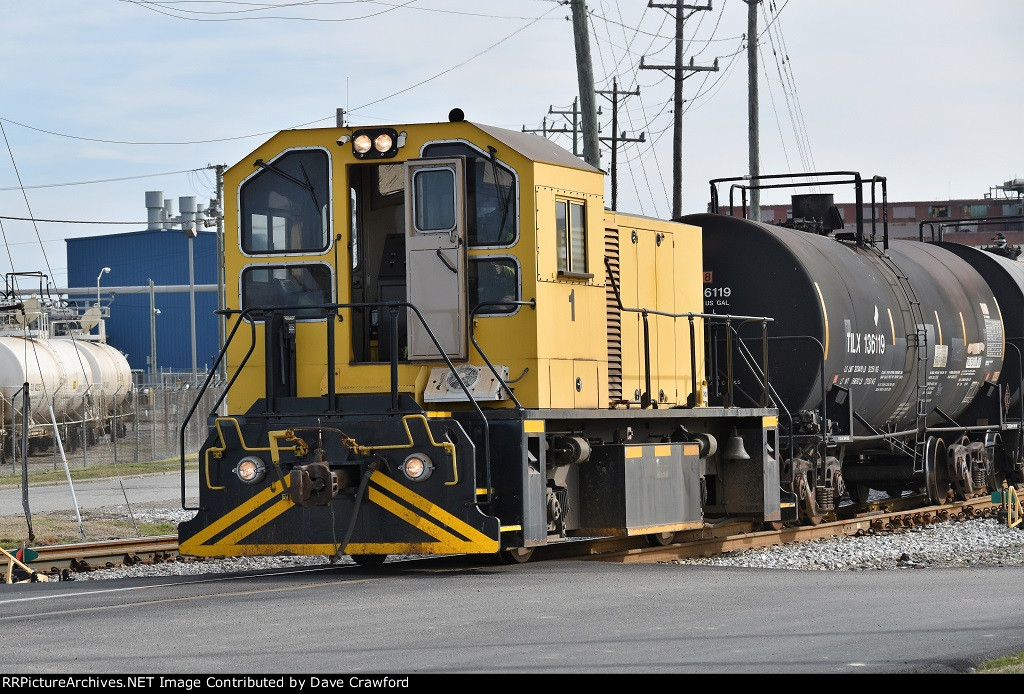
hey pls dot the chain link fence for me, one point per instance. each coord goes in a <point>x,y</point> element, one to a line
<point>147,429</point>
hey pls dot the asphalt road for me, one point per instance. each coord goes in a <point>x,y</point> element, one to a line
<point>554,617</point>
<point>162,489</point>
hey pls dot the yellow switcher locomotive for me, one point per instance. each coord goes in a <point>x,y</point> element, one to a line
<point>441,342</point>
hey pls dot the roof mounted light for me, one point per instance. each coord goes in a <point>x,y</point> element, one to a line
<point>376,143</point>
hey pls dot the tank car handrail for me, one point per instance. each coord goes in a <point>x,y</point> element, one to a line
<point>962,221</point>
<point>715,205</point>
<point>858,187</point>
<point>327,309</point>
<point>532,303</point>
<point>885,212</point>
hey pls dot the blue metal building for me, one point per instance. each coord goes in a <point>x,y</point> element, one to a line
<point>163,256</point>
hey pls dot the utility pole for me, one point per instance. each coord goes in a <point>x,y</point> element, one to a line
<point>585,74</point>
<point>752,109</point>
<point>676,72</point>
<point>575,121</point>
<point>221,279</point>
<point>543,129</point>
<point>615,139</point>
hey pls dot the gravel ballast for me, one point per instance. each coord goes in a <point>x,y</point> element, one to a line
<point>951,544</point>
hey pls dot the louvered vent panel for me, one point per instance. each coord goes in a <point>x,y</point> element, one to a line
<point>611,252</point>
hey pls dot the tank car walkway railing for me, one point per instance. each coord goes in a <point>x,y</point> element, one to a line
<point>707,318</point>
<point>956,224</point>
<point>330,313</point>
<point>746,184</point>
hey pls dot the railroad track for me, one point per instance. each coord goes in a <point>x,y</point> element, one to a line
<point>887,515</point>
<point>60,562</point>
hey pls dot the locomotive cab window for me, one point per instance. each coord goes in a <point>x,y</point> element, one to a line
<point>493,281</point>
<point>285,204</point>
<point>571,237</point>
<point>435,201</point>
<point>491,195</point>
<point>298,286</point>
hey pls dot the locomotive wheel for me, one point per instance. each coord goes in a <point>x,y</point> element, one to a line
<point>814,520</point>
<point>369,560</point>
<point>660,539</point>
<point>516,555</point>
<point>773,525</point>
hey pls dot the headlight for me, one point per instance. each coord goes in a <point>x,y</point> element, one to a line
<point>251,469</point>
<point>361,143</point>
<point>417,467</point>
<point>383,142</point>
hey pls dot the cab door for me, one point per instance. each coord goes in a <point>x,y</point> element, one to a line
<point>435,251</point>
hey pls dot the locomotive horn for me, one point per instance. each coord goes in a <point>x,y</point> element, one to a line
<point>734,449</point>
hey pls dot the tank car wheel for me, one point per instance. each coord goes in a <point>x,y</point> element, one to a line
<point>959,467</point>
<point>369,560</point>
<point>936,470</point>
<point>995,474</point>
<point>660,539</point>
<point>858,493</point>
<point>515,555</point>
<point>773,526</point>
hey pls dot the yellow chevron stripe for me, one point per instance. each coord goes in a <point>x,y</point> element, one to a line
<point>258,522</point>
<point>428,508</point>
<point>446,541</point>
<point>236,514</point>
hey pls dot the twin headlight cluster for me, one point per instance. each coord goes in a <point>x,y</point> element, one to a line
<point>416,467</point>
<point>374,143</point>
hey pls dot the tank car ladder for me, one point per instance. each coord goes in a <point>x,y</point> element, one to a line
<point>919,341</point>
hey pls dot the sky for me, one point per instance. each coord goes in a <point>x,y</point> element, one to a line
<point>102,101</point>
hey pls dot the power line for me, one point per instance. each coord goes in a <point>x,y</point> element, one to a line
<point>262,7</point>
<point>105,180</point>
<point>65,221</point>
<point>332,117</point>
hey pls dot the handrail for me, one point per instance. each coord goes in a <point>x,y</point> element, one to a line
<point>327,309</point>
<point>532,303</point>
<point>853,177</point>
<point>961,222</point>
<point>645,399</point>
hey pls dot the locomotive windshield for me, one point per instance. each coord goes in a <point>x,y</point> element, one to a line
<point>287,285</point>
<point>285,206</point>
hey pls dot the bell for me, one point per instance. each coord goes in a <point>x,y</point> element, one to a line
<point>734,448</point>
